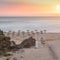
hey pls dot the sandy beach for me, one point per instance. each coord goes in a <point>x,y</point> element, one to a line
<point>50,51</point>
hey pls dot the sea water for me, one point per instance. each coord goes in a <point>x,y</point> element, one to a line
<point>49,25</point>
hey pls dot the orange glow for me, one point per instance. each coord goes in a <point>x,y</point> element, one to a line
<point>27,9</point>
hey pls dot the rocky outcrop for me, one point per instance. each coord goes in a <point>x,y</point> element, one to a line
<point>27,43</point>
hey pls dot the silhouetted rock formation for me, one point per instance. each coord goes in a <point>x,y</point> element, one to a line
<point>7,45</point>
<point>4,40</point>
<point>4,43</point>
<point>27,43</point>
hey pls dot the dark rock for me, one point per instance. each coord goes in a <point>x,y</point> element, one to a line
<point>27,43</point>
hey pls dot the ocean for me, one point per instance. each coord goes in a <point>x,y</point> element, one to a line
<point>30,24</point>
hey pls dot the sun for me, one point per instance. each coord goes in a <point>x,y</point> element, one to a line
<point>58,7</point>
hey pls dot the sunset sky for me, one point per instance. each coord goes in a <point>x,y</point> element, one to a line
<point>29,7</point>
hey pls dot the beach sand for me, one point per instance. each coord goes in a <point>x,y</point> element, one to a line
<point>49,51</point>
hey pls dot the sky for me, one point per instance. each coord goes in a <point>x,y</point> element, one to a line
<point>29,7</point>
